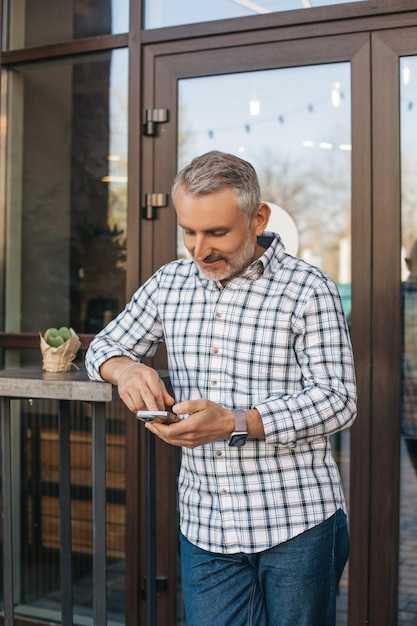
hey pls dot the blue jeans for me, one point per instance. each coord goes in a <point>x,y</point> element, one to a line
<point>292,584</point>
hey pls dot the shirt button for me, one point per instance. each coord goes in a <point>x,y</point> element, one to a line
<point>223,491</point>
<point>215,350</point>
<point>213,383</point>
<point>218,453</point>
<point>218,315</point>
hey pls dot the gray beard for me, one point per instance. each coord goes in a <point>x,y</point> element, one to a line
<point>235,266</point>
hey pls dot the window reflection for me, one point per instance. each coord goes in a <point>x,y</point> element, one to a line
<point>160,13</point>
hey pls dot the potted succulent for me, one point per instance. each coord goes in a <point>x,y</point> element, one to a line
<point>59,347</point>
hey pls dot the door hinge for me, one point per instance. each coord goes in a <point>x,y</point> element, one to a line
<point>153,201</point>
<point>154,117</point>
<point>161,585</point>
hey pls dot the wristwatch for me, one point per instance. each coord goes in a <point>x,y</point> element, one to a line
<point>240,434</point>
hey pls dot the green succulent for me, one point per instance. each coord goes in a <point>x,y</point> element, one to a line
<point>56,337</point>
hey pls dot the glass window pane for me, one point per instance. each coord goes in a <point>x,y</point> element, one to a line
<point>67,181</point>
<point>45,22</point>
<point>294,126</point>
<point>65,265</point>
<point>160,13</point>
<point>407,595</point>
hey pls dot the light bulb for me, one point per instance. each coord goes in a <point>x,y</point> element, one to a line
<point>254,107</point>
<point>336,94</point>
<point>406,75</point>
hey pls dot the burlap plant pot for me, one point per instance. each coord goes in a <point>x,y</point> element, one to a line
<point>59,359</point>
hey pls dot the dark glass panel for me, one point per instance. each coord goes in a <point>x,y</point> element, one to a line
<point>66,253</point>
<point>41,22</point>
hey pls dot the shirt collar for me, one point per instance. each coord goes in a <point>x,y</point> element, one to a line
<point>274,252</point>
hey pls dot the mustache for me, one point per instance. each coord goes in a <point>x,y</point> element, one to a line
<point>212,257</point>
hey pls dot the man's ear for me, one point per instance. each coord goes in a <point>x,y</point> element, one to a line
<point>261,217</point>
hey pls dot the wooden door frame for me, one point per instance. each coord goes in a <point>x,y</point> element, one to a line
<point>385,467</point>
<point>164,65</point>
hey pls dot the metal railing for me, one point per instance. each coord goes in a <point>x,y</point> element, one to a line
<point>67,387</point>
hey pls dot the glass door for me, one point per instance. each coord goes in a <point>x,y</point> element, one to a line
<point>393,497</point>
<point>294,126</point>
<point>293,122</point>
<point>407,609</point>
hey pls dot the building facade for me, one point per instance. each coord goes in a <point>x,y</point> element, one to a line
<point>101,102</point>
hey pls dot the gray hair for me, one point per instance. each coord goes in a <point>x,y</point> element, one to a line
<point>215,171</point>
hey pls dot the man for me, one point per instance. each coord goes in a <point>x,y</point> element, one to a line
<point>261,367</point>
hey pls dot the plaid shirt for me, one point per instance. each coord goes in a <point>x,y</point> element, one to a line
<point>274,338</point>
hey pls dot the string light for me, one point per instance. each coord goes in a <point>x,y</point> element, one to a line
<point>311,107</point>
<point>406,75</point>
<point>336,94</point>
<point>254,107</point>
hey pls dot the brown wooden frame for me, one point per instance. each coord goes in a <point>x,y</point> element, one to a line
<point>164,65</point>
<point>387,47</point>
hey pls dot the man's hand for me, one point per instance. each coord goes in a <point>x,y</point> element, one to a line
<point>207,422</point>
<point>139,386</point>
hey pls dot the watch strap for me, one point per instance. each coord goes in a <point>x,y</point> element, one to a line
<point>240,420</point>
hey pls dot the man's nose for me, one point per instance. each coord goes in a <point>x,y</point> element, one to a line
<point>201,248</point>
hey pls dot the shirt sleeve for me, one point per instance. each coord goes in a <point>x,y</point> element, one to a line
<point>326,400</point>
<point>135,332</point>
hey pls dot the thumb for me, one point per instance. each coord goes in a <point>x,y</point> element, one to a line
<point>189,406</point>
<point>168,399</point>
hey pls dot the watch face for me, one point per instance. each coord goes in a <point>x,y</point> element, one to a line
<point>238,439</point>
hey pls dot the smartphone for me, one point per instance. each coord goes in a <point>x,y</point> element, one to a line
<point>165,417</point>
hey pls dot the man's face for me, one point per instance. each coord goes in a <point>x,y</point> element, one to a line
<point>216,234</point>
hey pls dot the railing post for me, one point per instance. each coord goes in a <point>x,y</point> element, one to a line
<point>6,449</point>
<point>99,514</point>
<point>65,513</point>
<point>150,531</point>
